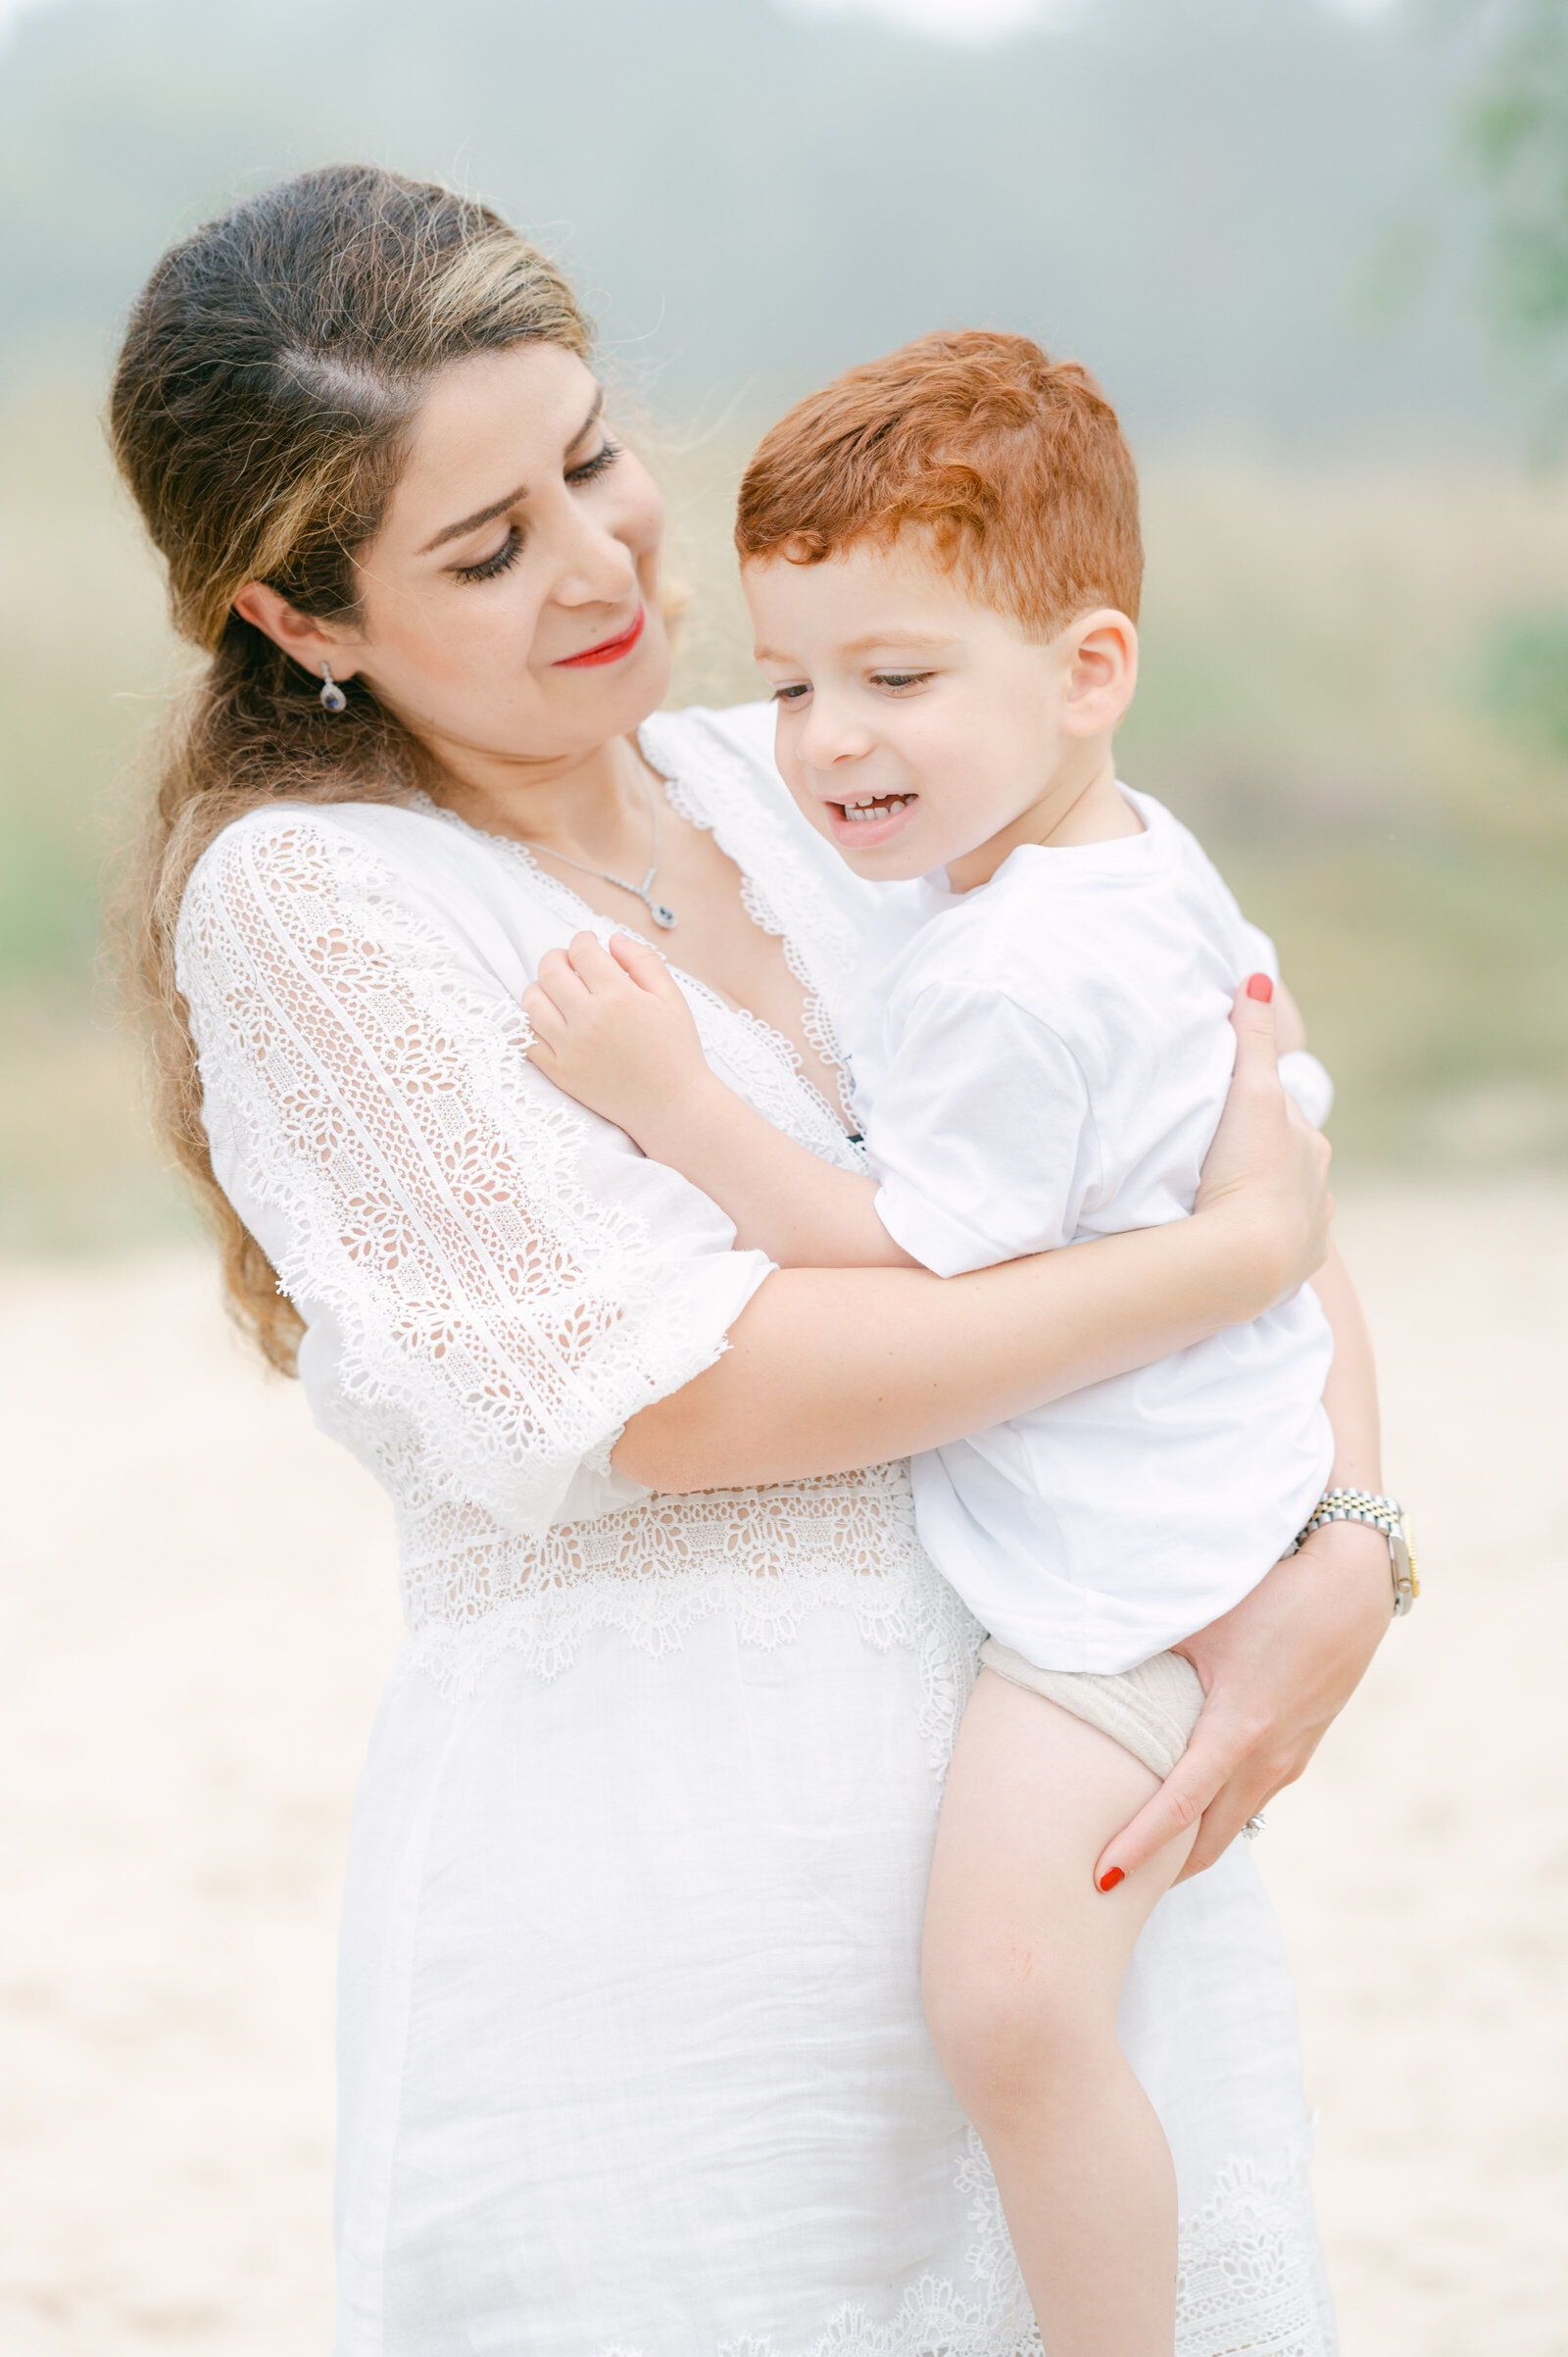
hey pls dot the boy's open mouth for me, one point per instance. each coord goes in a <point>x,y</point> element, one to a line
<point>869,818</point>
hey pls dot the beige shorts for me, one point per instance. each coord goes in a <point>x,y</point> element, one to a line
<point>1150,1710</point>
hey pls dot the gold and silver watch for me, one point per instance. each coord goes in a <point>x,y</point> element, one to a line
<point>1385,1515</point>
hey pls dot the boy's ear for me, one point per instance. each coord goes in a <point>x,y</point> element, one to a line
<point>1102,654</point>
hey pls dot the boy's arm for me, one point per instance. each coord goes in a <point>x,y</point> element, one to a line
<point>613,1029</point>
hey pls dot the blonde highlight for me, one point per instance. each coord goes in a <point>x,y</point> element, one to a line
<point>261,406</point>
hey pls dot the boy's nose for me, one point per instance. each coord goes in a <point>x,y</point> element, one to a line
<point>830,739</point>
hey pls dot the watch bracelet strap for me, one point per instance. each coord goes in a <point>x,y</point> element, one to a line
<point>1385,1515</point>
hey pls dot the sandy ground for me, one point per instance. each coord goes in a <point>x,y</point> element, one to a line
<point>197,1611</point>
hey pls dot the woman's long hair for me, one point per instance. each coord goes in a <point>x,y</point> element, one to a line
<point>260,415</point>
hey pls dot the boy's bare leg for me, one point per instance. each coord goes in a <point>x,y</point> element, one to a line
<point>1022,1969</point>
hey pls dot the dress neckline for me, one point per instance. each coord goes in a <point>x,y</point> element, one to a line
<point>815,1019</point>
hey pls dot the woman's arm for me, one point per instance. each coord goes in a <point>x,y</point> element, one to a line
<point>1279,1668</point>
<point>830,1369</point>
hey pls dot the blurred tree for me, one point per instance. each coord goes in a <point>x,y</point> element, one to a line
<point>1518,127</point>
<point>1516,120</point>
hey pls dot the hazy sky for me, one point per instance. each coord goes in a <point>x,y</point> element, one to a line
<point>948,19</point>
<point>964,20</point>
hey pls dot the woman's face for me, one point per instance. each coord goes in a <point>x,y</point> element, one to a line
<point>511,598</point>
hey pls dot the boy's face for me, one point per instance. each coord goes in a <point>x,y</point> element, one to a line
<point>918,729</point>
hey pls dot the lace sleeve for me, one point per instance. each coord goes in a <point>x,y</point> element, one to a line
<point>503,1276</point>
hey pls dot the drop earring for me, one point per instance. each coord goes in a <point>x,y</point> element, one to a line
<point>334,698</point>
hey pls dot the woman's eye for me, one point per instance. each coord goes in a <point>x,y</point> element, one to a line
<point>597,465</point>
<point>488,568</point>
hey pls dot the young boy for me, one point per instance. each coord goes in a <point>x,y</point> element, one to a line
<point>941,554</point>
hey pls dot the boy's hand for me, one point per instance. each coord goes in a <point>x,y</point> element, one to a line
<point>612,1028</point>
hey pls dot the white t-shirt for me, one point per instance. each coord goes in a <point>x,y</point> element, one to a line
<point>1045,1059</point>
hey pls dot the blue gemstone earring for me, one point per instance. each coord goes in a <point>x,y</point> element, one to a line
<point>334,698</point>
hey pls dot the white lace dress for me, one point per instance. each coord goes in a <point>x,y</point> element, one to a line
<point>632,2056</point>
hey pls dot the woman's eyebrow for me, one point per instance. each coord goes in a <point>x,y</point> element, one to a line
<point>471,523</point>
<point>589,422</point>
<point>499,507</point>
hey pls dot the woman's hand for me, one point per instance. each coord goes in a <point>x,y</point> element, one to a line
<point>1281,1666</point>
<point>1276,1671</point>
<point>1267,1169</point>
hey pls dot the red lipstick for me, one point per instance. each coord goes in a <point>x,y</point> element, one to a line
<point>608,650</point>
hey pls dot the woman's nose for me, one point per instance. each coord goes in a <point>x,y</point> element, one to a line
<point>596,567</point>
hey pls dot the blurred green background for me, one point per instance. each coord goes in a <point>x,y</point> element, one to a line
<point>1318,256</point>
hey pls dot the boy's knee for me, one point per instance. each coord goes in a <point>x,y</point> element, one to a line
<point>1005,2029</point>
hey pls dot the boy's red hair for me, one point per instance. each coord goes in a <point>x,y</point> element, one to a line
<point>1014,463</point>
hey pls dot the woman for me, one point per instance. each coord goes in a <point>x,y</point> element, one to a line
<point>632,2057</point>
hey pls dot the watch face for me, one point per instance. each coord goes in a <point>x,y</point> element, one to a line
<point>1406,1584</point>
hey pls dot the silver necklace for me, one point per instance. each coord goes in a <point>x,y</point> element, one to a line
<point>642,891</point>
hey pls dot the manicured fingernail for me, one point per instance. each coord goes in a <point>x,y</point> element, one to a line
<point>1110,1878</point>
<point>1258,985</point>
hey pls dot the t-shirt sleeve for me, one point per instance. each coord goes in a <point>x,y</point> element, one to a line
<point>1259,953</point>
<point>981,1134</point>
<point>1303,1077</point>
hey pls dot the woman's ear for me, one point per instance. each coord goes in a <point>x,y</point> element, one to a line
<point>1103,652</point>
<point>308,642</point>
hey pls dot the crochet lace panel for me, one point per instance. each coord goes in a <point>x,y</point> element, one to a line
<point>1251,2283</point>
<point>493,1316</point>
<point>492,1320</point>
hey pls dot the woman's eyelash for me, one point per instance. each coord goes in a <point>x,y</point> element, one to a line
<point>488,568</point>
<point>597,465</point>
<point>511,548</point>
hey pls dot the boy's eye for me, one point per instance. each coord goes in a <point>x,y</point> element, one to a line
<point>900,679</point>
<point>791,694</point>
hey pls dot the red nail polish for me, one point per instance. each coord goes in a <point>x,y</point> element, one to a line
<point>1110,1878</point>
<point>1258,985</point>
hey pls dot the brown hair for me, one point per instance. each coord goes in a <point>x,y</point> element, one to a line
<point>270,371</point>
<point>1013,463</point>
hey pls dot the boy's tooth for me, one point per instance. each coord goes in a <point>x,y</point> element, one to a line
<point>861,811</point>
